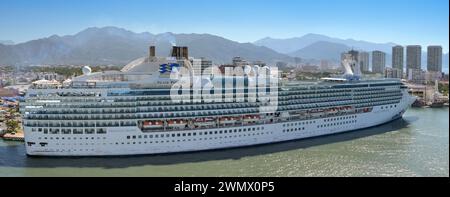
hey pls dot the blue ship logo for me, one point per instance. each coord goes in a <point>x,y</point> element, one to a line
<point>163,68</point>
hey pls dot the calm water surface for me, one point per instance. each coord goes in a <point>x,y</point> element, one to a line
<point>417,145</point>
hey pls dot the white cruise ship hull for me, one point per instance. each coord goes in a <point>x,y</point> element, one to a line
<point>132,141</point>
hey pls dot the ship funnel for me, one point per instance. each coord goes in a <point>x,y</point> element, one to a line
<point>151,52</point>
<point>180,52</point>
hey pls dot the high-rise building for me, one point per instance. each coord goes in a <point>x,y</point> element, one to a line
<point>413,57</point>
<point>378,61</point>
<point>364,61</point>
<point>434,58</point>
<point>397,57</point>
<point>323,65</point>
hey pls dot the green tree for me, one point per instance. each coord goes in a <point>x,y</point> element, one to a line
<point>443,88</point>
<point>12,126</point>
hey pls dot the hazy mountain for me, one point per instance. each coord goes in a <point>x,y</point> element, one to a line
<point>290,45</point>
<point>112,45</point>
<point>321,50</point>
<point>6,42</point>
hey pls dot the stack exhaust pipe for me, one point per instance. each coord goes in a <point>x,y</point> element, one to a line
<point>180,52</point>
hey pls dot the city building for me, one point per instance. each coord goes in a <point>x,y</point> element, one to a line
<point>431,76</point>
<point>413,57</point>
<point>50,76</point>
<point>378,61</point>
<point>416,76</point>
<point>364,61</point>
<point>238,61</point>
<point>398,57</point>
<point>324,64</point>
<point>393,73</point>
<point>434,58</point>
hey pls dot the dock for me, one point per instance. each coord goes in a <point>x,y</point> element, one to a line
<point>14,136</point>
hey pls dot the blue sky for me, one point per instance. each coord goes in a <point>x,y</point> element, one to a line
<point>405,22</point>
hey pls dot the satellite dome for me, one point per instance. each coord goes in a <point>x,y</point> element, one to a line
<point>86,70</point>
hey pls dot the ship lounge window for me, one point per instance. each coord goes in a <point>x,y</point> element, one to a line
<point>128,137</point>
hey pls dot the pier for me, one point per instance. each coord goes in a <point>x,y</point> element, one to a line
<point>13,136</point>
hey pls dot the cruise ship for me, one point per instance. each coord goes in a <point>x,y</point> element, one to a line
<point>153,106</point>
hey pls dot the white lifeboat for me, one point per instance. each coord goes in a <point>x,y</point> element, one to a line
<point>228,120</point>
<point>251,118</point>
<point>177,123</point>
<point>204,122</point>
<point>151,124</point>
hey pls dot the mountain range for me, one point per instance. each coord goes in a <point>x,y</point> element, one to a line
<point>316,46</point>
<point>291,45</point>
<point>6,42</point>
<point>113,45</point>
